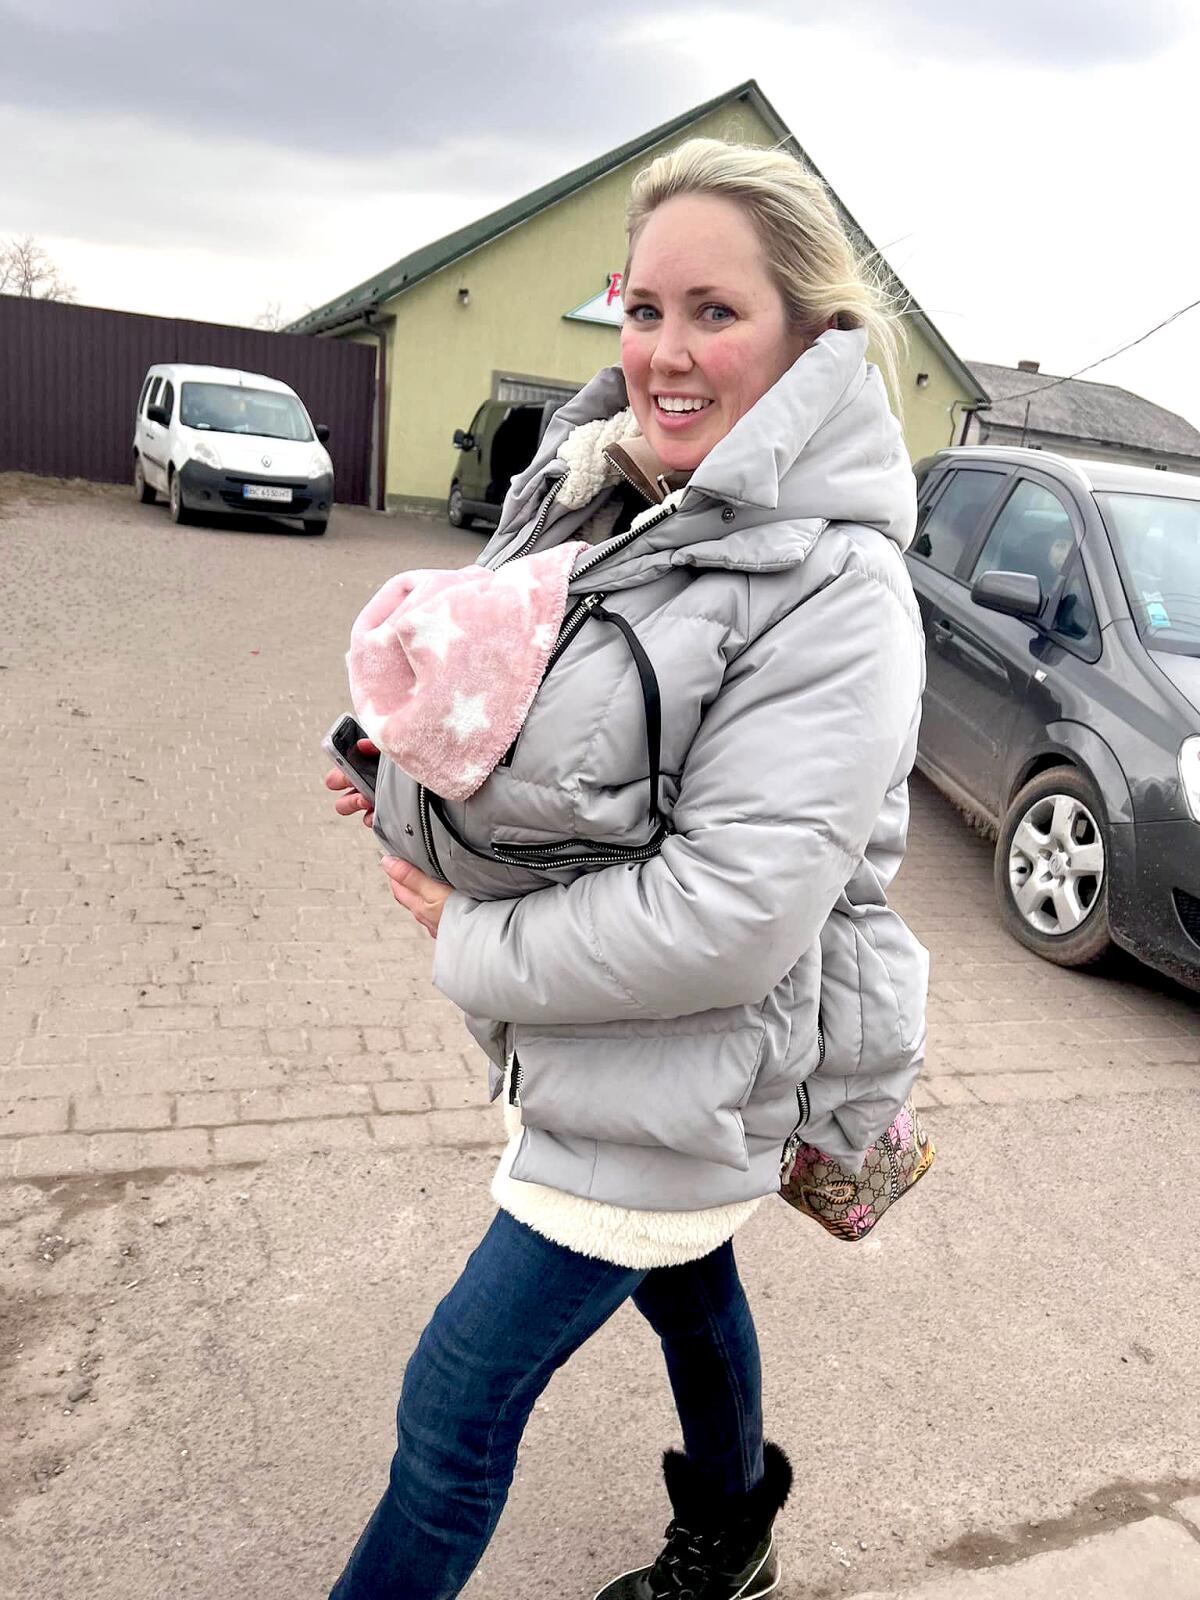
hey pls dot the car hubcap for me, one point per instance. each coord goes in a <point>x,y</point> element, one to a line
<point>455,503</point>
<point>1056,864</point>
<point>174,494</point>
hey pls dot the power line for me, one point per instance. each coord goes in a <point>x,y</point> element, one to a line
<point>1053,384</point>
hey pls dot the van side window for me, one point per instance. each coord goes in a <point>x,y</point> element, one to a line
<point>152,397</point>
<point>145,391</point>
<point>168,399</point>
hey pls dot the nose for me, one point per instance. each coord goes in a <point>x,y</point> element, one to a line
<point>671,351</point>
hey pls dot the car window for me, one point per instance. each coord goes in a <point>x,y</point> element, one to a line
<point>1074,618</point>
<point>477,419</point>
<point>144,393</point>
<point>168,399</point>
<point>1032,534</point>
<point>152,397</point>
<point>1158,540</point>
<point>950,522</point>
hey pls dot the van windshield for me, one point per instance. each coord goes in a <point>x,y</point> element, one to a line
<point>228,408</point>
<point>1158,543</point>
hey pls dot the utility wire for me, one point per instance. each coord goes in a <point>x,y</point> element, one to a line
<point>1053,384</point>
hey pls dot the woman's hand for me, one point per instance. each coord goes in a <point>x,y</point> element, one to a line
<point>349,800</point>
<point>421,895</point>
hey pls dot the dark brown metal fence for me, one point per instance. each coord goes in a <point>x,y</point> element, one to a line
<point>70,378</point>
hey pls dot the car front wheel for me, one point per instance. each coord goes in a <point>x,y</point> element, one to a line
<point>143,490</point>
<point>179,512</point>
<point>1051,869</point>
<point>456,515</point>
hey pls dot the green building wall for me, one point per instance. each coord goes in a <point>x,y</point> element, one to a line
<point>442,356</point>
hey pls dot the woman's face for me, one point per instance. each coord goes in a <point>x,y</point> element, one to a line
<point>703,321</point>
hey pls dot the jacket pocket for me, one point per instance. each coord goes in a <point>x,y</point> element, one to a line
<point>648,1089</point>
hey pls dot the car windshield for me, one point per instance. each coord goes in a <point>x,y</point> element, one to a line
<point>1158,544</point>
<point>228,408</point>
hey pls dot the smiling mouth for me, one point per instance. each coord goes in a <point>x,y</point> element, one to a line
<point>680,405</point>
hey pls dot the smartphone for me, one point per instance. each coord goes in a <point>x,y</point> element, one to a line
<point>341,743</point>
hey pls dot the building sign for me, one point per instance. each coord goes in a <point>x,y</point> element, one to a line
<point>603,307</point>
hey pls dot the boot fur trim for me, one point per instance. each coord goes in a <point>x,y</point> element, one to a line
<point>698,1507</point>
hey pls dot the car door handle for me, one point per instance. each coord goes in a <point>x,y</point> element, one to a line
<point>943,629</point>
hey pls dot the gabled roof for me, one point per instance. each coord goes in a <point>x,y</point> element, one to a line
<point>1079,409</point>
<point>430,258</point>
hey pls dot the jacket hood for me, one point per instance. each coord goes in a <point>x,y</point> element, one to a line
<point>821,445</point>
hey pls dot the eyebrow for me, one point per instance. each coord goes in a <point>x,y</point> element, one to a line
<point>706,288</point>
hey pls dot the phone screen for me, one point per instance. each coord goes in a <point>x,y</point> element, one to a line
<point>345,741</point>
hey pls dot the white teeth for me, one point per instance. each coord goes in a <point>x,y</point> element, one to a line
<point>675,403</point>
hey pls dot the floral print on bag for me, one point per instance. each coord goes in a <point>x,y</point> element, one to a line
<point>846,1205</point>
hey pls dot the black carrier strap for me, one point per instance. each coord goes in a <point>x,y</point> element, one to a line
<point>515,855</point>
<point>650,698</point>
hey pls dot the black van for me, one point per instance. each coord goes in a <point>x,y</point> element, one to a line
<point>501,441</point>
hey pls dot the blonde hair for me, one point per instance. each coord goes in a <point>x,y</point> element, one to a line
<point>809,254</point>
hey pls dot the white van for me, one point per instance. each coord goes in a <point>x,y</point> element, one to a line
<point>214,439</point>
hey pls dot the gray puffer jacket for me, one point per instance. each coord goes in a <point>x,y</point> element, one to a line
<point>672,1019</point>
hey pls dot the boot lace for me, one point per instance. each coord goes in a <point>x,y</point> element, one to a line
<point>686,1564</point>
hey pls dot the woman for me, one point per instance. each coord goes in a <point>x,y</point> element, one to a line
<point>664,914</point>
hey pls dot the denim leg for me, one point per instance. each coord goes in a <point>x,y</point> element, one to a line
<point>521,1307</point>
<point>701,1315</point>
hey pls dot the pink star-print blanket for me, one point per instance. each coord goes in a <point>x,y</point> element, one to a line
<point>444,665</point>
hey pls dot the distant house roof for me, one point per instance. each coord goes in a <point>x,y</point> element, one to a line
<point>1078,409</point>
<point>430,258</point>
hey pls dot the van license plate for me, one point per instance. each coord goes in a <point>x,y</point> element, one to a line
<point>266,491</point>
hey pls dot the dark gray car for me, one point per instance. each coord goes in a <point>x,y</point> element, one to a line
<point>1061,602</point>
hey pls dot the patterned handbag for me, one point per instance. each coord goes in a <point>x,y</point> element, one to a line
<point>846,1205</point>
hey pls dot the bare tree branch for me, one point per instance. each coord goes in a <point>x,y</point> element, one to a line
<point>26,270</point>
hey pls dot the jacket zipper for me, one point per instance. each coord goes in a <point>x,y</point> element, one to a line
<point>514,1082</point>
<point>427,833</point>
<point>803,1105</point>
<point>539,522</point>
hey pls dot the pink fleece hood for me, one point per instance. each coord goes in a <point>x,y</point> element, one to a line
<point>444,665</point>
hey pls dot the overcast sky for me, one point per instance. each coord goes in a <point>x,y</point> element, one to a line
<point>1031,173</point>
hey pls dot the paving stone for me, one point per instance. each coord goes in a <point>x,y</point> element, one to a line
<point>122,1111</point>
<point>261,1140</point>
<point>404,1096</point>
<point>32,1116</point>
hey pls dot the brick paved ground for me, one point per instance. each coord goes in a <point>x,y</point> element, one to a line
<point>200,962</point>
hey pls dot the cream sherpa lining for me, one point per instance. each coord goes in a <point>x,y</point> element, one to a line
<point>583,451</point>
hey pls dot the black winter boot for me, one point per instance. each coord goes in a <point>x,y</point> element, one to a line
<point>719,1547</point>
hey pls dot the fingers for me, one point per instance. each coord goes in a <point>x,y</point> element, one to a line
<point>368,747</point>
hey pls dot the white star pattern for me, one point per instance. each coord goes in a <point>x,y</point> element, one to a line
<point>544,635</point>
<point>472,774</point>
<point>433,628</point>
<point>519,577</point>
<point>468,715</point>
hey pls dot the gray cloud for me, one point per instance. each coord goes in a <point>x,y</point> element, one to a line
<point>366,77</point>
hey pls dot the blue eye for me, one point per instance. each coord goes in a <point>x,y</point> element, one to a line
<point>725,309</point>
<point>632,312</point>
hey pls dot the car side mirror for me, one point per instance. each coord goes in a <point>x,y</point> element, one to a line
<point>462,440</point>
<point>157,414</point>
<point>1016,594</point>
<point>322,433</point>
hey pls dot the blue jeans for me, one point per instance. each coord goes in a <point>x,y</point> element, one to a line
<point>521,1307</point>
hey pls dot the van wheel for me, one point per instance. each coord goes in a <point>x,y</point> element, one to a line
<point>1051,869</point>
<point>144,491</point>
<point>455,513</point>
<point>179,512</point>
